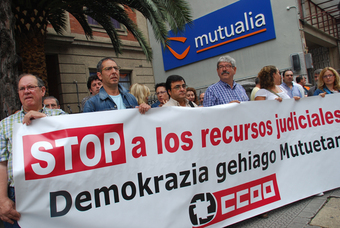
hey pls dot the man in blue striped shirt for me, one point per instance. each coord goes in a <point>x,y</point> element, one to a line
<point>226,90</point>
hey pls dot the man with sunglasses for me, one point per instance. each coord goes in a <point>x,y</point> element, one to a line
<point>31,90</point>
<point>226,90</point>
<point>177,90</point>
<point>112,96</point>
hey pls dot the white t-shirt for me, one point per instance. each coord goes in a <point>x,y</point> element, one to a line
<point>271,96</point>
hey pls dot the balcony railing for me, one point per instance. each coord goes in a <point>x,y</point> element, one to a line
<point>322,18</point>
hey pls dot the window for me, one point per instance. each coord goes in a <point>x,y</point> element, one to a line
<point>92,21</point>
<point>125,79</point>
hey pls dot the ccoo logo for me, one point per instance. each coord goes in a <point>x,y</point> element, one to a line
<point>202,209</point>
<point>209,208</point>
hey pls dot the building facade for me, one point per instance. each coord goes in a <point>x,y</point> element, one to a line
<point>72,58</point>
<point>302,35</point>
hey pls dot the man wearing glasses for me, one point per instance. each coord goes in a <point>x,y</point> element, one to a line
<point>162,95</point>
<point>112,96</point>
<point>177,90</point>
<point>226,90</point>
<point>31,90</point>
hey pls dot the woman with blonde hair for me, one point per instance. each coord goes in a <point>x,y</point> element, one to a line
<point>141,92</point>
<point>328,82</point>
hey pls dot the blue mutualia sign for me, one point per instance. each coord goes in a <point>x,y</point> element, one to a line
<point>241,24</point>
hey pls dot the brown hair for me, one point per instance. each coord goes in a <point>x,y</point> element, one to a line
<point>266,76</point>
<point>194,91</point>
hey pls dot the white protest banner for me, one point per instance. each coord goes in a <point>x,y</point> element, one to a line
<point>175,167</point>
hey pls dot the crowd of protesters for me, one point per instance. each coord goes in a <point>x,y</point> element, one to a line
<point>108,94</point>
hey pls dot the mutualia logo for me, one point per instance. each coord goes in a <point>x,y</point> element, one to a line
<point>184,53</point>
<point>241,24</point>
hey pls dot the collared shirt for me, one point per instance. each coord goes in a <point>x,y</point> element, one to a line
<point>6,131</point>
<point>173,102</point>
<point>291,92</point>
<point>222,93</point>
<point>102,101</point>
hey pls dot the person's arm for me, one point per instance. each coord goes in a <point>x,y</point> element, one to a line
<point>319,92</point>
<point>235,101</point>
<point>143,108</point>
<point>258,98</point>
<point>208,99</point>
<point>31,115</point>
<point>7,206</point>
<point>89,107</point>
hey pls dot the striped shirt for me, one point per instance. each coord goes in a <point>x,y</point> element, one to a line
<point>222,93</point>
<point>6,131</point>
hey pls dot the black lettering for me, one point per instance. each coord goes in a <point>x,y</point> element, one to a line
<point>322,140</point>
<point>330,143</point>
<point>240,160</point>
<point>106,190</point>
<point>144,186</point>
<point>204,175</point>
<point>284,151</point>
<point>265,160</point>
<point>316,145</point>
<point>83,197</point>
<point>172,183</point>
<point>256,162</point>
<point>300,147</point>
<point>133,190</point>
<point>221,173</point>
<point>186,174</point>
<point>232,165</point>
<point>156,180</point>
<point>53,203</point>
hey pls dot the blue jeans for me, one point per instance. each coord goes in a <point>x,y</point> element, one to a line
<point>11,195</point>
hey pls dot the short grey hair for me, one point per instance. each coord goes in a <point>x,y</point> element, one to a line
<point>227,59</point>
<point>100,63</point>
<point>39,80</point>
<point>51,97</point>
<point>317,71</point>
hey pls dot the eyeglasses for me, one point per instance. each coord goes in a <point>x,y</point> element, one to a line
<point>117,68</point>
<point>178,87</point>
<point>29,88</point>
<point>328,76</point>
<point>160,92</point>
<point>224,66</point>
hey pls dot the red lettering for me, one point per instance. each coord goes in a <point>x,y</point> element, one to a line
<point>175,140</point>
<point>215,136</point>
<point>186,139</point>
<point>204,133</point>
<point>73,150</point>
<point>337,115</point>
<point>329,117</point>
